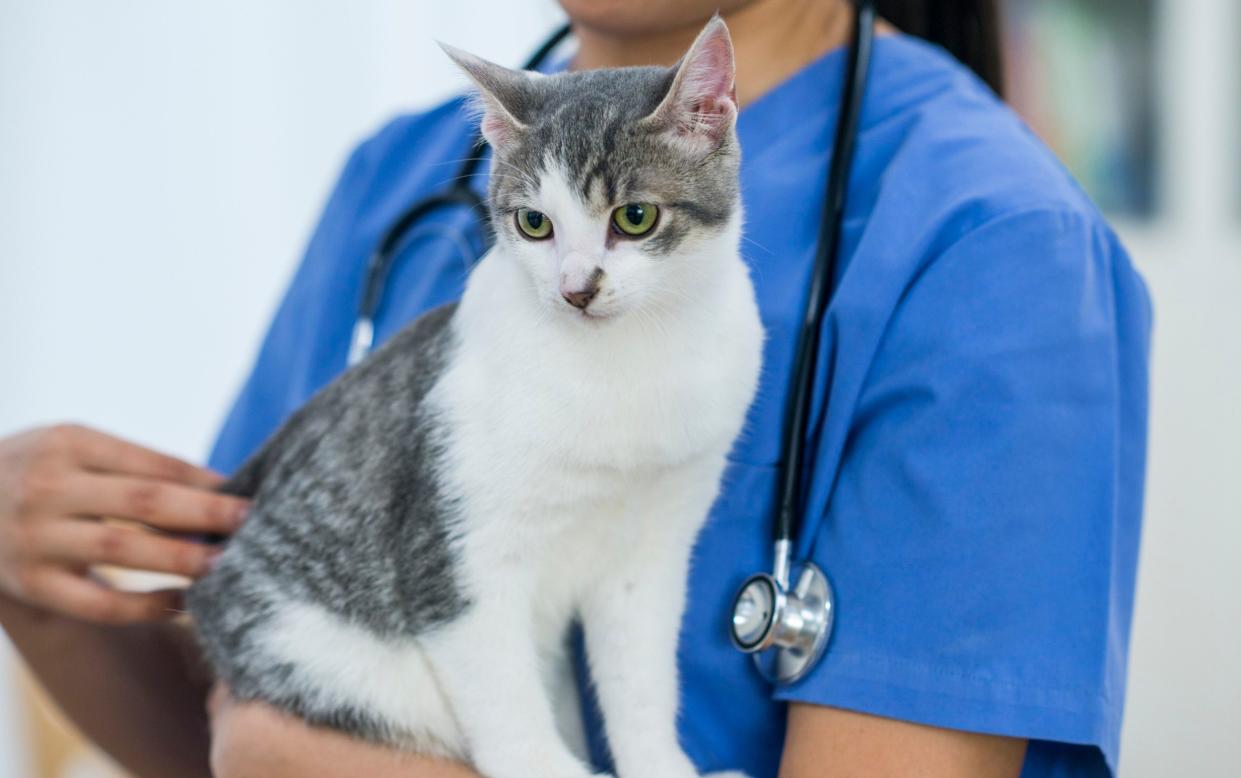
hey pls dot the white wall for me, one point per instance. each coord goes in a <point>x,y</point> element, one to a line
<point>162,162</point>
<point>1184,712</point>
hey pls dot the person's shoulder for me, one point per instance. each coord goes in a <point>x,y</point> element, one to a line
<point>400,147</point>
<point>406,132</point>
<point>959,155</point>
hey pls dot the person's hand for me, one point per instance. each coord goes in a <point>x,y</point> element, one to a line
<point>57,483</point>
<point>254,740</point>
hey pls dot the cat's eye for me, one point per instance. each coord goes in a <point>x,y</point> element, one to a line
<point>534,224</point>
<point>635,219</point>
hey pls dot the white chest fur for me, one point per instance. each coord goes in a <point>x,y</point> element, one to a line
<point>584,456</point>
<point>554,421</point>
<point>643,391</point>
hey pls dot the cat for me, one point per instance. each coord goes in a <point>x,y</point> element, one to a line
<point>425,531</point>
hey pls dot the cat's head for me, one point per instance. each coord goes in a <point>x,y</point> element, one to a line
<point>616,190</point>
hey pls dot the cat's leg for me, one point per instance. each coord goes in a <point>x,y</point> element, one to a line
<point>632,621</point>
<point>560,680</point>
<point>488,662</point>
<point>631,640</point>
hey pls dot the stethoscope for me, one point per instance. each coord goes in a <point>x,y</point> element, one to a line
<point>784,625</point>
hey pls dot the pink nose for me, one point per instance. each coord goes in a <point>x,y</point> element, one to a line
<point>579,299</point>
<point>579,292</point>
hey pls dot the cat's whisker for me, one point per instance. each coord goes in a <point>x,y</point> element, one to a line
<point>488,176</point>
<point>756,244</point>
<point>522,176</point>
<point>652,318</point>
<point>458,161</point>
<point>534,184</point>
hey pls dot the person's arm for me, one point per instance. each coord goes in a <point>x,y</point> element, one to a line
<point>254,740</point>
<point>111,659</point>
<point>827,742</point>
<point>114,662</point>
<point>130,689</point>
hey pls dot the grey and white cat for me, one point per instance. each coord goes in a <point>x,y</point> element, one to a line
<point>426,529</point>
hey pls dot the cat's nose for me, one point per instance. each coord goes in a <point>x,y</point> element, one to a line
<point>579,299</point>
<point>578,292</point>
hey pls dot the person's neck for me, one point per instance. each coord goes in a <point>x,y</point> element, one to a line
<point>773,40</point>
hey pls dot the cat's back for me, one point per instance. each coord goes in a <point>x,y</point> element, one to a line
<point>347,514</point>
<point>382,395</point>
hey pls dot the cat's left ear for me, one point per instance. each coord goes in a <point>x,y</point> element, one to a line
<point>504,96</point>
<point>700,107</point>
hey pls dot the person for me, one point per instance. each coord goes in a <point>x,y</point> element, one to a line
<point>976,487</point>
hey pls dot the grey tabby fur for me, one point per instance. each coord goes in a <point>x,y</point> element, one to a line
<point>348,514</point>
<point>590,123</point>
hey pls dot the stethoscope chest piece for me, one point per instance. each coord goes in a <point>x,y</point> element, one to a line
<point>786,630</point>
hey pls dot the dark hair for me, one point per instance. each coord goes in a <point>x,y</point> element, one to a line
<point>968,29</point>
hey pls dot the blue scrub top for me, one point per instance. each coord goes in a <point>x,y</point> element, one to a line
<point>976,493</point>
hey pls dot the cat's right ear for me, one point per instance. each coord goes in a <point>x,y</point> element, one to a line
<point>503,96</point>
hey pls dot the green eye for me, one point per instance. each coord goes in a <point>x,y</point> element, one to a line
<point>534,224</point>
<point>635,219</point>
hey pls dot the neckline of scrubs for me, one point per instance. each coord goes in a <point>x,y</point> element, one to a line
<point>765,120</point>
<point>760,122</point>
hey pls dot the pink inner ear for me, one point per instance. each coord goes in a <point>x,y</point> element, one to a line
<point>706,98</point>
<point>709,70</point>
<point>709,116</point>
<point>495,128</point>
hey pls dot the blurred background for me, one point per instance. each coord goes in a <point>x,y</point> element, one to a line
<point>162,163</point>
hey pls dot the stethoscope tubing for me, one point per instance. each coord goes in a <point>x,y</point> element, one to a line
<point>822,285</point>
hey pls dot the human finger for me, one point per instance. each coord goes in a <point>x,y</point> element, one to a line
<point>160,504</point>
<point>101,451</point>
<point>80,542</point>
<point>62,590</point>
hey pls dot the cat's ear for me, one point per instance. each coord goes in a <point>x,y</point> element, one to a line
<point>700,107</point>
<point>503,95</point>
